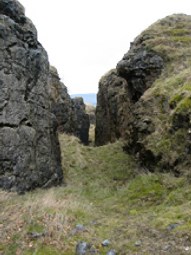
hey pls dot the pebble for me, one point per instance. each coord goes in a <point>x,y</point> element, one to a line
<point>82,247</point>
<point>112,252</point>
<point>187,248</point>
<point>105,242</point>
<point>80,227</point>
<point>138,243</point>
<point>172,226</point>
<point>35,235</point>
<point>166,247</point>
<point>93,251</point>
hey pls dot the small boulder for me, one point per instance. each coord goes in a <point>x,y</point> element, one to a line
<point>106,242</point>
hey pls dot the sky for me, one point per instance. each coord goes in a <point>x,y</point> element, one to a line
<point>86,38</point>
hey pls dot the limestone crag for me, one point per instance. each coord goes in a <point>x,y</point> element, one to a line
<point>83,120</point>
<point>156,70</point>
<point>29,149</point>
<point>120,88</point>
<point>140,67</point>
<point>61,104</point>
<point>113,108</point>
<point>70,113</point>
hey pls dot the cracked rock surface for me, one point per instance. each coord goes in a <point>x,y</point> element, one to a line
<point>29,150</point>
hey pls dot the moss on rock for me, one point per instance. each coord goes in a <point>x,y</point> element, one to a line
<point>157,69</point>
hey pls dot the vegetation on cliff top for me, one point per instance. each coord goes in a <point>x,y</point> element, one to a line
<point>150,106</point>
<point>170,95</point>
<point>170,38</point>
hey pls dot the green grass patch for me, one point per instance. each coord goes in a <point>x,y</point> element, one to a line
<point>108,193</point>
<point>44,249</point>
<point>178,32</point>
<point>184,105</point>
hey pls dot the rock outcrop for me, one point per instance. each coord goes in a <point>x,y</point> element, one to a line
<point>83,121</point>
<point>70,113</point>
<point>61,104</point>
<point>113,108</point>
<point>140,67</point>
<point>158,91</point>
<point>29,149</point>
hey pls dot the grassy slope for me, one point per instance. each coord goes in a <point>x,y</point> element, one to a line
<point>106,194</point>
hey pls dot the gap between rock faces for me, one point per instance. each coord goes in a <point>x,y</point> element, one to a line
<point>106,190</point>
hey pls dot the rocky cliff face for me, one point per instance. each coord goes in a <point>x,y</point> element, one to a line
<point>113,108</point>
<point>61,104</point>
<point>158,90</point>
<point>29,150</point>
<point>70,113</point>
<point>83,121</point>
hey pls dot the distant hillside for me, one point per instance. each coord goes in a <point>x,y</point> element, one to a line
<point>88,98</point>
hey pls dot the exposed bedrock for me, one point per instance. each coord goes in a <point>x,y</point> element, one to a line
<point>29,149</point>
<point>70,113</point>
<point>157,96</point>
<point>113,108</point>
<point>82,120</point>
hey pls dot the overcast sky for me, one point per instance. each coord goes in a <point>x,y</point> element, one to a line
<point>86,38</point>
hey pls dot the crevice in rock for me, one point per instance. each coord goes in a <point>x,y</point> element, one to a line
<point>9,125</point>
<point>25,122</point>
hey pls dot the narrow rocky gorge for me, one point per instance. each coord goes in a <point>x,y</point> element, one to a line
<point>145,101</point>
<point>126,194</point>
